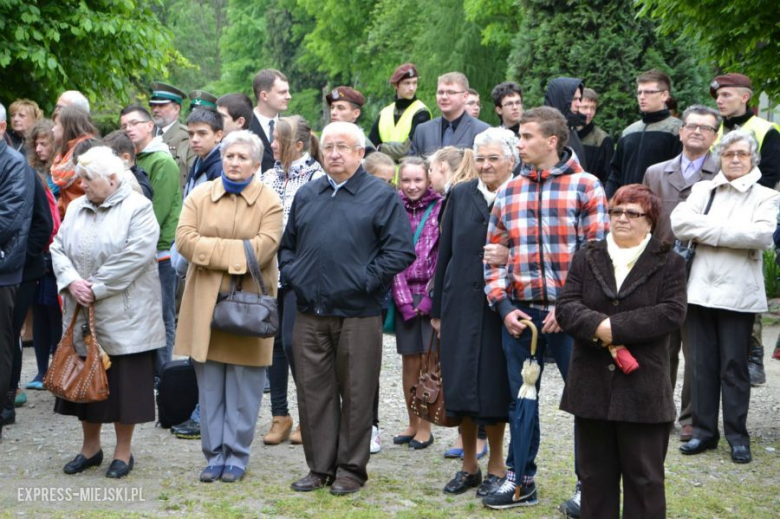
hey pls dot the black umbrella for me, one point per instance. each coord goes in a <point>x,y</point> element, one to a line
<point>526,408</point>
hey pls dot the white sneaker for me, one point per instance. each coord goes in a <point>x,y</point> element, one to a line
<point>376,441</point>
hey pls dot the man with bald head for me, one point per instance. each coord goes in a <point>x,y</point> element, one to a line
<point>347,235</point>
<point>72,98</point>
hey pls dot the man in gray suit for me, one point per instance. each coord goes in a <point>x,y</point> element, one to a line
<point>672,181</point>
<point>455,127</point>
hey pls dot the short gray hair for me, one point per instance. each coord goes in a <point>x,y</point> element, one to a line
<point>501,136</point>
<point>702,110</point>
<point>734,137</point>
<point>343,127</point>
<point>100,161</point>
<point>76,98</point>
<point>244,137</point>
<point>2,113</point>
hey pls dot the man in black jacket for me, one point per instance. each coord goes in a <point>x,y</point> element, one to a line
<point>272,91</point>
<point>17,190</point>
<point>347,235</point>
<point>565,94</point>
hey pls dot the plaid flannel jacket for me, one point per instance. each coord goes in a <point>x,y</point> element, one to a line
<point>543,218</point>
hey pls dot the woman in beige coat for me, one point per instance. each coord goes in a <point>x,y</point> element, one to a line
<point>104,255</point>
<point>725,288</point>
<point>216,218</point>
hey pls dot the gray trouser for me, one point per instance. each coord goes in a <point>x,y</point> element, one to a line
<point>230,397</point>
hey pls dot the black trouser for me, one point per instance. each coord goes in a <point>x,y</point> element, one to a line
<point>720,342</point>
<point>7,303</point>
<point>282,359</point>
<point>611,451</point>
<point>24,299</point>
<point>47,332</point>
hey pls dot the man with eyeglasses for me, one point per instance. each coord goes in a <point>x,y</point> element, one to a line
<point>653,139</point>
<point>154,157</point>
<point>672,181</point>
<point>544,215</point>
<point>347,235</point>
<point>732,92</point>
<point>508,100</point>
<point>597,143</point>
<point>397,123</point>
<point>455,127</point>
<point>473,104</point>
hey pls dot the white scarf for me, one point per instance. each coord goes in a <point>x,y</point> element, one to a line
<point>624,258</point>
<point>490,196</point>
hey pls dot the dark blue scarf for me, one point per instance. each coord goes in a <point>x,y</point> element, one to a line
<point>234,187</point>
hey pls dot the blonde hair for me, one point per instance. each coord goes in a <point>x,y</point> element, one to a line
<point>460,161</point>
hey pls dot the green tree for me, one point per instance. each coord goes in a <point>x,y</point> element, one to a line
<point>738,35</point>
<point>100,47</point>
<point>607,46</point>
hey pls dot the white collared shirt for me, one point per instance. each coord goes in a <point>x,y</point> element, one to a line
<point>264,123</point>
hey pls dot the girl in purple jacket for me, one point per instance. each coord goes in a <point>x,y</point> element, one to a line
<point>413,330</point>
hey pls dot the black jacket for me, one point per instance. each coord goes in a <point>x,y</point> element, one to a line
<point>268,154</point>
<point>142,177</point>
<point>340,250</point>
<point>560,92</point>
<point>40,232</point>
<point>17,192</point>
<point>598,150</point>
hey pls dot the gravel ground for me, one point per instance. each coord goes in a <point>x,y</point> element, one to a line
<point>164,481</point>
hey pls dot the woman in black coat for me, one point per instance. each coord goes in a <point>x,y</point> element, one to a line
<point>472,360</point>
<point>623,297</point>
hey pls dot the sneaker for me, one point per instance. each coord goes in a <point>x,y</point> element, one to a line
<point>189,430</point>
<point>376,440</point>
<point>505,495</point>
<point>571,508</point>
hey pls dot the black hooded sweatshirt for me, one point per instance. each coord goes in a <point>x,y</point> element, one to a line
<point>560,92</point>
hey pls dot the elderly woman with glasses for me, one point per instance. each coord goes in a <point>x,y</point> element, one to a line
<point>217,217</point>
<point>623,296</point>
<point>730,219</point>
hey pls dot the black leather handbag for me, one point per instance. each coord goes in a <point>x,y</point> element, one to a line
<point>688,250</point>
<point>245,313</point>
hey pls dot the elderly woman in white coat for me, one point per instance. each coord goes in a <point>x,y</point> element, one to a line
<point>104,255</point>
<point>725,288</point>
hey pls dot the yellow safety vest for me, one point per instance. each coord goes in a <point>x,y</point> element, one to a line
<point>757,125</point>
<point>389,131</point>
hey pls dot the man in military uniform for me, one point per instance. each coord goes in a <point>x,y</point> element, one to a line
<point>165,105</point>
<point>345,105</point>
<point>732,93</point>
<point>393,130</point>
<point>202,99</point>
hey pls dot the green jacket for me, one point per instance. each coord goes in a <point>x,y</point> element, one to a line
<point>163,172</point>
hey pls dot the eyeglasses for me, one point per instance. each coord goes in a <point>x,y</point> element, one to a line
<point>742,155</point>
<point>448,93</point>
<point>640,93</point>
<point>340,147</point>
<point>492,159</point>
<point>630,213</point>
<point>474,103</point>
<point>128,124</point>
<point>510,104</point>
<point>703,128</point>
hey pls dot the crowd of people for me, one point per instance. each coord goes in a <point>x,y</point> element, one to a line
<point>437,229</point>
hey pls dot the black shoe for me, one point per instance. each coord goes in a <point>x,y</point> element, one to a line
<point>571,507</point>
<point>741,454</point>
<point>415,445</point>
<point>119,469</point>
<point>463,481</point>
<point>696,446</point>
<point>8,416</point>
<point>402,439</point>
<point>310,482</point>
<point>189,430</point>
<point>80,463</point>
<point>505,497</point>
<point>489,485</point>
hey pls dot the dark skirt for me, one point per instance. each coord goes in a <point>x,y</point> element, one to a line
<point>412,337</point>
<point>131,393</point>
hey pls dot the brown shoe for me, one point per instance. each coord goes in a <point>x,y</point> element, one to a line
<point>280,430</point>
<point>311,482</point>
<point>296,438</point>
<point>345,485</point>
<point>686,434</point>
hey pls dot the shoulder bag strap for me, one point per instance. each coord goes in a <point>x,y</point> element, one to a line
<point>253,267</point>
<point>691,243</point>
<point>427,213</point>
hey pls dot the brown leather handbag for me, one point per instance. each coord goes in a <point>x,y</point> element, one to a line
<point>77,379</point>
<point>428,393</point>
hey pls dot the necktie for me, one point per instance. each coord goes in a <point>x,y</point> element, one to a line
<point>271,131</point>
<point>447,135</point>
<point>690,170</point>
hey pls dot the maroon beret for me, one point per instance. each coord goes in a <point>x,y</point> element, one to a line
<point>345,93</point>
<point>729,80</point>
<point>405,71</point>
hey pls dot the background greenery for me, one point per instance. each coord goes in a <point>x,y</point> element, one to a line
<point>112,49</point>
